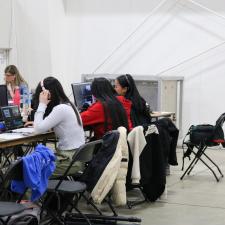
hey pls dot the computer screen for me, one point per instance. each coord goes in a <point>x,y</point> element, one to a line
<point>82,94</point>
<point>3,97</point>
<point>11,116</point>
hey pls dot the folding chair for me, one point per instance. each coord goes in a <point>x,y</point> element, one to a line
<point>13,172</point>
<point>200,138</point>
<point>62,186</point>
<point>10,206</point>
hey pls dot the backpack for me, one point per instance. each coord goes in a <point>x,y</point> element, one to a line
<point>206,134</point>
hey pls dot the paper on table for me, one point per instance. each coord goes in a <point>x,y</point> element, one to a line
<point>26,130</point>
<point>11,136</point>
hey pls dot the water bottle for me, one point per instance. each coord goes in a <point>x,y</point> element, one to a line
<point>25,101</point>
<point>16,98</point>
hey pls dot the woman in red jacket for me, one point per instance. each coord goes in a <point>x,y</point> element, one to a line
<point>108,112</point>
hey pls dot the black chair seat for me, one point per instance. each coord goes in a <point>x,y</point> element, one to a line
<point>10,208</point>
<point>67,186</point>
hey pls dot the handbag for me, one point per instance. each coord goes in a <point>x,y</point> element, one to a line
<point>206,134</point>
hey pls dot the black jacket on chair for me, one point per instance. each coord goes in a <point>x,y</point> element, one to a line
<point>168,133</point>
<point>152,168</point>
<point>97,165</point>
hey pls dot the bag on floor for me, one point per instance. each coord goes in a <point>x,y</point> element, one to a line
<point>30,216</point>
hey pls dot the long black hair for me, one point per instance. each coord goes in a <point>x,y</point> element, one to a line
<point>58,96</point>
<point>114,111</point>
<point>132,91</point>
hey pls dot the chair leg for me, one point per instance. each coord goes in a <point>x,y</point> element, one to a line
<point>109,202</point>
<point>49,211</point>
<point>3,222</point>
<point>83,215</point>
<point>89,201</point>
<point>189,167</point>
<point>198,155</point>
<point>130,204</point>
<point>217,179</point>
<point>214,164</point>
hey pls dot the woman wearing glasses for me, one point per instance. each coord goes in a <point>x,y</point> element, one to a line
<point>16,85</point>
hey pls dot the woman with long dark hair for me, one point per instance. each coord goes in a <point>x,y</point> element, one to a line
<point>109,111</point>
<point>55,111</point>
<point>140,112</point>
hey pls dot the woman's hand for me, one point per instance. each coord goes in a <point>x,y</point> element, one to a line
<point>29,124</point>
<point>44,97</point>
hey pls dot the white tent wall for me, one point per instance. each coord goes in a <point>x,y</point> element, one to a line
<point>5,23</point>
<point>177,31</point>
<point>69,38</point>
<point>29,40</point>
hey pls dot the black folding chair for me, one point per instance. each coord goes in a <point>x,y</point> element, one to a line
<point>200,138</point>
<point>69,187</point>
<point>13,172</point>
<point>9,201</point>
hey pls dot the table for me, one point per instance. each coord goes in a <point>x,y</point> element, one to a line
<point>26,139</point>
<point>158,115</point>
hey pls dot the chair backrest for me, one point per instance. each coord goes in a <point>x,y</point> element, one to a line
<point>13,172</point>
<point>85,152</point>
<point>220,120</point>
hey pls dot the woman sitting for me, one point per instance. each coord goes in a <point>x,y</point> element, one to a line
<point>108,112</point>
<point>140,112</point>
<point>55,111</point>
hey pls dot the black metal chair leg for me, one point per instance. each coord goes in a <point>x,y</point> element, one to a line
<point>214,164</point>
<point>111,206</point>
<point>217,179</point>
<point>91,203</point>
<point>190,165</point>
<point>198,155</point>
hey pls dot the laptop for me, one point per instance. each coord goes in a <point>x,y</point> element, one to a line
<point>82,95</point>
<point>12,117</point>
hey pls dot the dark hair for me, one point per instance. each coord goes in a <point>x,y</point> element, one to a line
<point>132,91</point>
<point>114,111</point>
<point>58,96</point>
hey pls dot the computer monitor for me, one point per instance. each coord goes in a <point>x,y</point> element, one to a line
<point>82,95</point>
<point>3,97</point>
<point>12,117</point>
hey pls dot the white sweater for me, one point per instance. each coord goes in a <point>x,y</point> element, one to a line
<point>63,121</point>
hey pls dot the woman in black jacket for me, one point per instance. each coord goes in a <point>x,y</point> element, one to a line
<point>140,111</point>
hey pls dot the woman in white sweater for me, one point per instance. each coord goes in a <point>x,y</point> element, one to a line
<point>55,111</point>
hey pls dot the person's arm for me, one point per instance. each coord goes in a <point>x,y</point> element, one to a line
<point>93,115</point>
<point>42,124</point>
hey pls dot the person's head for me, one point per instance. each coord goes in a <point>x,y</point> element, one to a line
<point>13,76</point>
<point>102,89</point>
<point>125,85</point>
<point>56,95</point>
<point>114,111</point>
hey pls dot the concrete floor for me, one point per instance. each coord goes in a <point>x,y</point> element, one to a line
<point>197,199</point>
